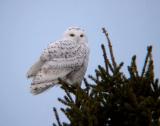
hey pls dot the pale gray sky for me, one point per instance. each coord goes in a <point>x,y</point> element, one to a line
<point>27,26</point>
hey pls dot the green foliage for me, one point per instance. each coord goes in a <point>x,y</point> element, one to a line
<point>114,99</point>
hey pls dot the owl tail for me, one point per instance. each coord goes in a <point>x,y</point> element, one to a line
<point>41,87</point>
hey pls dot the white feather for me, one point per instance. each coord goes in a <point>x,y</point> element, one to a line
<point>66,59</point>
<point>35,68</point>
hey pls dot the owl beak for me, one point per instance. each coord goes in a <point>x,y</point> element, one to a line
<point>78,39</point>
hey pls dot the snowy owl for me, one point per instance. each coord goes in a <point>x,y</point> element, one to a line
<point>66,58</point>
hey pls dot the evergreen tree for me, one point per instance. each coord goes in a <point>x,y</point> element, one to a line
<point>114,99</point>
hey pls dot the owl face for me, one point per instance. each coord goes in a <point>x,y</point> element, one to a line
<point>75,34</point>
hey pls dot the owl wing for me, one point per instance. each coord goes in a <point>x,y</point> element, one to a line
<point>57,61</point>
<point>35,68</point>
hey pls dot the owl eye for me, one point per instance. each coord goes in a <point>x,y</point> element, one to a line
<point>72,35</point>
<point>81,35</point>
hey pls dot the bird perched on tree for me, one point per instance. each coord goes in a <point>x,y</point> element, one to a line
<point>66,58</point>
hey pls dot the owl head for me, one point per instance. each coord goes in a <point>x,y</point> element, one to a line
<point>75,34</point>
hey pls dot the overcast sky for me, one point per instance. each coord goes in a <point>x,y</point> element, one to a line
<point>27,26</point>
